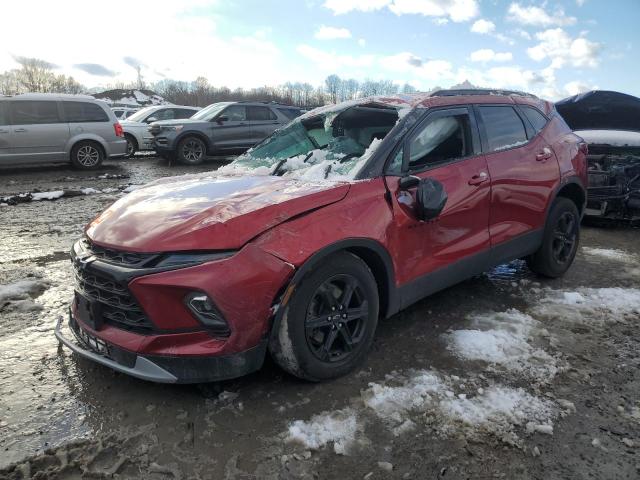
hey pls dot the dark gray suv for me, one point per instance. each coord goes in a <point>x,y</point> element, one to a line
<point>221,128</point>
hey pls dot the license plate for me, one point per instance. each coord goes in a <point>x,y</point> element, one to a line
<point>88,340</point>
<point>89,312</point>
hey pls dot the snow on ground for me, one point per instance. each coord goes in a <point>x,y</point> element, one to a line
<point>340,428</point>
<point>591,305</point>
<point>609,253</point>
<point>22,289</point>
<point>503,339</point>
<point>47,195</point>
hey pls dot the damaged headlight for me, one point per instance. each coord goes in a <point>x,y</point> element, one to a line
<point>187,259</point>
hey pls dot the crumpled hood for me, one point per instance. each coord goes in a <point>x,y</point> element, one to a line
<point>206,212</point>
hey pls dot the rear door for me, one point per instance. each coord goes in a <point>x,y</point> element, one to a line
<point>263,122</point>
<point>453,246</point>
<point>5,134</point>
<point>524,171</point>
<point>39,131</point>
<point>232,132</point>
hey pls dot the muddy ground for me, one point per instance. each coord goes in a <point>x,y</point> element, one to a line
<point>65,418</point>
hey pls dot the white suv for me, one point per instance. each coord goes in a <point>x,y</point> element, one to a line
<point>136,127</point>
<point>48,128</point>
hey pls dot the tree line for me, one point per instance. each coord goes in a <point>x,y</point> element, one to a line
<point>36,75</point>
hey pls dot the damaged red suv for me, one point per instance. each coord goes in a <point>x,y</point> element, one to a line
<point>348,214</point>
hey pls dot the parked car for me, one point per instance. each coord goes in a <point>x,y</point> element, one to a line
<point>136,127</point>
<point>122,113</point>
<point>220,128</point>
<point>610,124</point>
<point>48,128</point>
<point>350,213</point>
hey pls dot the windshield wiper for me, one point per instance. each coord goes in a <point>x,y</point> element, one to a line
<point>276,171</point>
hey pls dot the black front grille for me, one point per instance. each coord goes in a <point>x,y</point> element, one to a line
<point>118,306</point>
<point>129,259</point>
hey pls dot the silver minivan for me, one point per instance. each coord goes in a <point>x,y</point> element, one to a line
<point>48,128</point>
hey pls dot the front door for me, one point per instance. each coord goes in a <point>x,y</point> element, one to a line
<point>232,130</point>
<point>430,255</point>
<point>39,131</point>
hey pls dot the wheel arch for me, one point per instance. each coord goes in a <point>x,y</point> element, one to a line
<point>96,141</point>
<point>574,191</point>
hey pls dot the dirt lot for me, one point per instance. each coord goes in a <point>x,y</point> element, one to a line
<point>504,376</point>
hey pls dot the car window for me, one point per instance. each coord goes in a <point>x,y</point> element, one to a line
<point>260,114</point>
<point>441,140</point>
<point>4,117</point>
<point>184,112</point>
<point>504,127</point>
<point>163,114</point>
<point>290,113</point>
<point>235,113</point>
<point>84,112</point>
<point>538,121</point>
<point>27,112</point>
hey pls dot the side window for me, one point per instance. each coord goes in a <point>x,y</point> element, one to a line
<point>290,113</point>
<point>164,114</point>
<point>504,127</point>
<point>4,117</point>
<point>184,113</point>
<point>442,139</point>
<point>235,113</point>
<point>260,114</point>
<point>538,121</point>
<point>26,112</point>
<point>84,112</point>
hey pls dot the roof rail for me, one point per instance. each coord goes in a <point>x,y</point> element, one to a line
<point>480,91</point>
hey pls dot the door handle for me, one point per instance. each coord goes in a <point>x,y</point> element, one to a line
<point>544,155</point>
<point>479,178</point>
<point>20,130</point>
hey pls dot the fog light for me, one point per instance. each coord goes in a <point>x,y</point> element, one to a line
<point>206,312</point>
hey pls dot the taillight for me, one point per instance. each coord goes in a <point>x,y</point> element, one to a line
<point>584,148</point>
<point>118,129</point>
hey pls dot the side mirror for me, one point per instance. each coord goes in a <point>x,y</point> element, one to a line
<point>431,198</point>
<point>222,119</point>
<point>152,119</point>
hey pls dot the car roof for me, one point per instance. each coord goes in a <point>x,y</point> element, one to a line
<point>48,96</point>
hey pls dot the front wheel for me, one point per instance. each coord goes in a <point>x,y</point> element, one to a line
<point>191,151</point>
<point>560,242</point>
<point>328,325</point>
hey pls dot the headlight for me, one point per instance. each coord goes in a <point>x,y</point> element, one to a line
<point>173,128</point>
<point>186,259</point>
<point>203,308</point>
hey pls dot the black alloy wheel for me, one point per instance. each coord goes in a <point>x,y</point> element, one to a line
<point>564,237</point>
<point>192,151</point>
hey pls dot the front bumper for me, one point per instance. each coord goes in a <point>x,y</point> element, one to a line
<point>161,368</point>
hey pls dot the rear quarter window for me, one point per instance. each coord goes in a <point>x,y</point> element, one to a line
<point>84,112</point>
<point>538,120</point>
<point>503,126</point>
<point>34,112</point>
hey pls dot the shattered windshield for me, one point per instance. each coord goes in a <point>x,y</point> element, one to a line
<point>333,145</point>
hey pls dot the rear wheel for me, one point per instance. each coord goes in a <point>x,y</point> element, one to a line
<point>86,155</point>
<point>560,242</point>
<point>191,151</point>
<point>132,146</point>
<point>328,325</point>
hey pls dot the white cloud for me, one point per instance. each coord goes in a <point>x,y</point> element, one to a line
<point>580,2</point>
<point>455,10</point>
<point>557,46</point>
<point>331,33</point>
<point>332,62</point>
<point>577,86</point>
<point>483,26</point>
<point>408,63</point>
<point>488,55</point>
<point>537,16</point>
<point>362,42</point>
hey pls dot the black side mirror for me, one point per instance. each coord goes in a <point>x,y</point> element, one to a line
<point>222,118</point>
<point>431,198</point>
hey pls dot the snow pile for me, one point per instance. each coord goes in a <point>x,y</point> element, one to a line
<point>47,195</point>
<point>131,98</point>
<point>503,339</point>
<point>340,428</point>
<point>591,305</point>
<point>22,290</point>
<point>609,253</point>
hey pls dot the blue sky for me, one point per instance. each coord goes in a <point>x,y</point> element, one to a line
<point>552,48</point>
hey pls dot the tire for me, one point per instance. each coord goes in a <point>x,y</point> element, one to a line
<point>191,151</point>
<point>132,146</point>
<point>560,241</point>
<point>87,155</point>
<point>315,342</point>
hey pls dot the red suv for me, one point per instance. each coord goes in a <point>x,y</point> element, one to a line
<point>348,214</point>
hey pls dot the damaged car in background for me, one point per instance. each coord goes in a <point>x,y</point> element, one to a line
<point>610,124</point>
